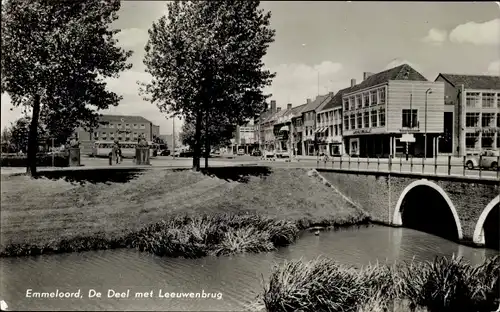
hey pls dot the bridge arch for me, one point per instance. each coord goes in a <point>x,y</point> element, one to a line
<point>398,215</point>
<point>479,237</point>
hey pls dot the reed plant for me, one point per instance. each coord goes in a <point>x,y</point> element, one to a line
<point>441,285</point>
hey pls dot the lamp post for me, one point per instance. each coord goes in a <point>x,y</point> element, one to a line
<point>429,91</point>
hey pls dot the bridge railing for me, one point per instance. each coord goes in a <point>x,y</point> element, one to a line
<point>441,165</point>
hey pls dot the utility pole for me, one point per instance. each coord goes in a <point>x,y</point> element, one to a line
<point>318,82</point>
<point>429,91</point>
<point>173,137</point>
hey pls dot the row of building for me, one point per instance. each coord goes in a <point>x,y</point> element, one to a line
<point>390,113</point>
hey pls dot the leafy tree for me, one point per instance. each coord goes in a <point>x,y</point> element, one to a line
<point>55,57</point>
<point>158,140</point>
<point>19,131</point>
<point>205,59</point>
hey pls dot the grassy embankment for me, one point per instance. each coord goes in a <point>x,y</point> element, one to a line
<point>443,285</point>
<point>171,213</point>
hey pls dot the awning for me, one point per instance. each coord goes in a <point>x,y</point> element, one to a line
<point>284,128</point>
<point>324,129</point>
<point>317,130</point>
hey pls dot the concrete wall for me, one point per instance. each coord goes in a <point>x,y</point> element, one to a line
<point>380,194</point>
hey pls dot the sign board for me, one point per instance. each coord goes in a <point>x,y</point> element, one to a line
<point>407,137</point>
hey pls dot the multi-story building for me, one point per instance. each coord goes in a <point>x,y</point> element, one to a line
<point>117,127</point>
<point>244,138</point>
<point>384,106</point>
<point>297,129</point>
<point>266,128</point>
<point>329,126</point>
<point>309,136</point>
<point>282,130</point>
<point>471,113</point>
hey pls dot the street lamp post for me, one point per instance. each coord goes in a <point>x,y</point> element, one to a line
<point>429,91</point>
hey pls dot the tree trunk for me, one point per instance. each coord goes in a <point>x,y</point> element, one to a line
<point>33,138</point>
<point>207,141</point>
<point>197,142</point>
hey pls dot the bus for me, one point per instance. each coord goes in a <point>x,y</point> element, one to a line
<point>103,148</point>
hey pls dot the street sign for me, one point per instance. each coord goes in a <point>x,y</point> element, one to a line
<point>407,137</point>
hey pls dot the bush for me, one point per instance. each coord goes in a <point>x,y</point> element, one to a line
<point>441,285</point>
<point>41,161</point>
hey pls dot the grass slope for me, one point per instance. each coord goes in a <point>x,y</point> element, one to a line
<point>43,211</point>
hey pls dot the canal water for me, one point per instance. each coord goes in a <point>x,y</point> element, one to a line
<point>230,283</point>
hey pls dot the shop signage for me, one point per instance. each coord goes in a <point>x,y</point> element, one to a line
<point>409,130</point>
<point>361,131</point>
<point>407,137</point>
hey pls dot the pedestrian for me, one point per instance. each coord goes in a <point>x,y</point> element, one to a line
<point>114,151</point>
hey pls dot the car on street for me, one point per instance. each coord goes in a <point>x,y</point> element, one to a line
<point>241,152</point>
<point>165,152</point>
<point>256,152</point>
<point>488,159</point>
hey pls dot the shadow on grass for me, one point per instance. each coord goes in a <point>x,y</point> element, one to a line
<point>237,173</point>
<point>92,176</point>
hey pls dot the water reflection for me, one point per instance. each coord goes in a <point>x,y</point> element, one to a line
<point>239,278</point>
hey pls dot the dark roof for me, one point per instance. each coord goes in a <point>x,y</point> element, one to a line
<point>316,103</point>
<point>297,110</point>
<point>336,101</point>
<point>126,118</point>
<point>473,81</point>
<point>402,72</point>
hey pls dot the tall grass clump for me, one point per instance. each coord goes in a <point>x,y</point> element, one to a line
<point>197,236</point>
<point>440,285</point>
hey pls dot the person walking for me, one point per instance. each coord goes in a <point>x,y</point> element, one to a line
<point>114,151</point>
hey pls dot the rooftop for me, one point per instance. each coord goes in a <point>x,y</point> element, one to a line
<point>401,72</point>
<point>313,105</point>
<point>126,118</point>
<point>483,82</point>
<point>336,101</point>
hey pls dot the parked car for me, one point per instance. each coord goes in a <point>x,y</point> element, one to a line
<point>487,159</point>
<point>241,152</point>
<point>256,152</point>
<point>186,153</point>
<point>165,152</point>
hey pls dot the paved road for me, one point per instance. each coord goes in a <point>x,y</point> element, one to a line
<point>398,165</point>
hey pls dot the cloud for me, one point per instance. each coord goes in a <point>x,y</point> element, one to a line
<point>494,68</point>
<point>487,33</point>
<point>9,112</point>
<point>132,37</point>
<point>295,83</point>
<point>436,36</point>
<point>399,61</point>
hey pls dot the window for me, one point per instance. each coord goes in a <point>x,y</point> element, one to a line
<point>488,100</point>
<point>366,97</point>
<point>471,120</point>
<point>119,126</point>
<point>127,135</point>
<point>487,119</point>
<point>359,101</point>
<point>111,126</point>
<point>498,101</point>
<point>353,121</point>
<point>487,139</point>
<point>381,116</point>
<point>366,119</point>
<point>336,129</point>
<point>359,121</point>
<point>381,95</point>
<point>346,104</point>
<point>135,135</point>
<point>127,126</point>
<point>470,140</point>
<point>374,118</point>
<point>96,135</point>
<point>472,99</point>
<point>351,103</point>
<point>103,134</point>
<point>346,122</point>
<point>498,126</point>
<point>135,126</point>
<point>373,96</point>
<point>143,126</point>
<point>409,118</point>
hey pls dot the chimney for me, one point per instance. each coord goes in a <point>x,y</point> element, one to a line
<point>273,106</point>
<point>289,106</point>
<point>366,75</point>
<point>308,101</point>
<point>353,82</point>
<point>331,93</point>
<point>278,109</point>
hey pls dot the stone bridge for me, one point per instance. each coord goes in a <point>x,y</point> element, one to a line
<point>463,209</point>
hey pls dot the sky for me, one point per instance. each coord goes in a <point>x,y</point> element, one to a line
<point>335,41</point>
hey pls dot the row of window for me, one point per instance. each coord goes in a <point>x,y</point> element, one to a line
<point>487,120</point>
<point>112,135</point>
<point>368,119</point>
<point>334,115</point>
<point>484,100</point>
<point>472,140</point>
<point>126,126</point>
<point>365,99</point>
